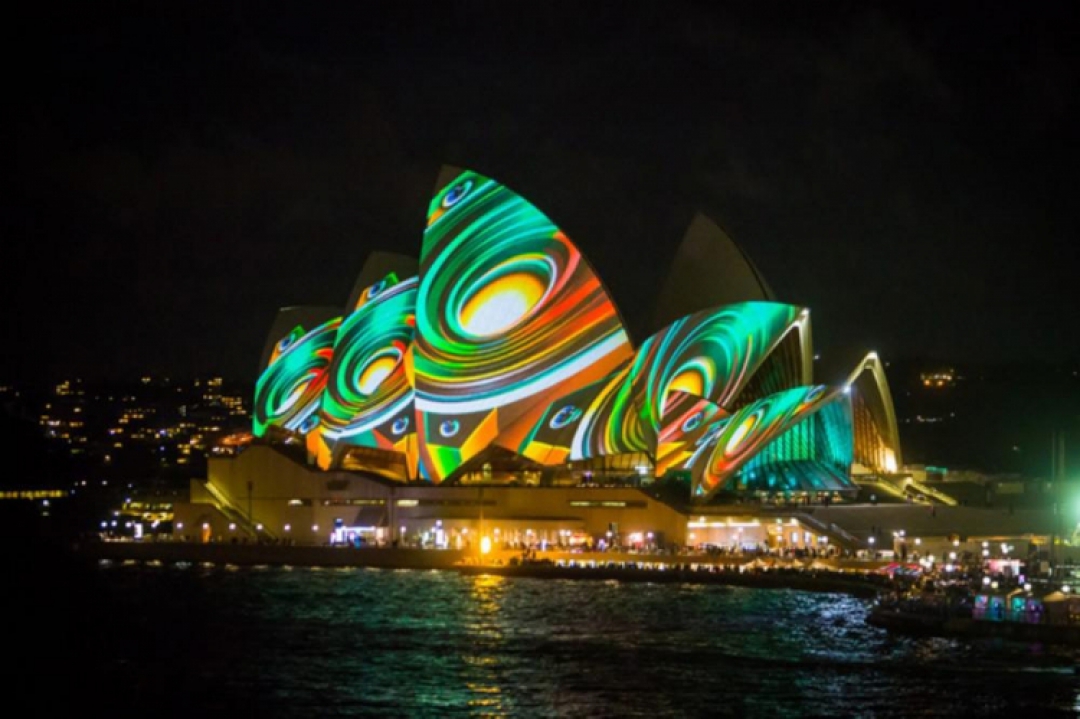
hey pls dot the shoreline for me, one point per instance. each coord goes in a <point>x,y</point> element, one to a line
<point>774,579</point>
<point>676,571</point>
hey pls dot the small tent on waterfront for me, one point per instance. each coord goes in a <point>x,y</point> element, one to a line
<point>1061,608</point>
<point>990,607</point>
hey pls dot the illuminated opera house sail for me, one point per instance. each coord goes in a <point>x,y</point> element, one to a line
<point>502,357</point>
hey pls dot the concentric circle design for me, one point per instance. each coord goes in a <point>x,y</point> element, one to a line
<point>508,315</point>
<point>504,297</point>
<point>382,364</point>
<point>565,417</point>
<point>456,193</point>
<point>813,395</point>
<point>449,427</point>
<point>710,354</point>
<point>612,424</point>
<point>375,290</point>
<point>368,384</point>
<point>705,357</point>
<point>693,422</point>
<point>288,390</point>
<point>400,426</point>
<point>748,431</point>
<point>695,377</point>
<point>742,431</point>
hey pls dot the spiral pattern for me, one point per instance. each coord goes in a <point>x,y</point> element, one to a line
<point>375,290</point>
<point>683,415</point>
<point>710,354</point>
<point>285,343</point>
<point>708,357</point>
<point>565,417</point>
<point>613,424</point>
<point>287,393</point>
<point>509,315</point>
<point>725,446</point>
<point>814,454</point>
<point>368,385</point>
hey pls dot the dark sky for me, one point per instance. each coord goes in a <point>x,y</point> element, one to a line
<point>178,174</point>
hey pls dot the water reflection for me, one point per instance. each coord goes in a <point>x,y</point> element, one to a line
<point>392,643</point>
<point>482,662</point>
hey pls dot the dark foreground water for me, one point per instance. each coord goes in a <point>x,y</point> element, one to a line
<point>307,642</point>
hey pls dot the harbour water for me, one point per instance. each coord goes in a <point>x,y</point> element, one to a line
<point>176,639</point>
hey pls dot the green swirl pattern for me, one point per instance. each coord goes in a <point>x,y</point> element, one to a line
<point>288,391</point>
<point>508,315</point>
<point>368,384</point>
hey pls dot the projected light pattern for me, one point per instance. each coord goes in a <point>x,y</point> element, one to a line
<point>594,421</point>
<point>288,391</point>
<point>369,394</point>
<point>508,342</point>
<point>509,316</point>
<point>285,343</point>
<point>377,289</point>
<point>813,455</point>
<point>710,354</point>
<point>613,423</point>
<point>721,447</point>
<point>684,414</point>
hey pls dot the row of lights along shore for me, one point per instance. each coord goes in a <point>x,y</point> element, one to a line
<point>258,527</point>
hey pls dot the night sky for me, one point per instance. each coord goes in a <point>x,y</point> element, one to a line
<point>176,175</point>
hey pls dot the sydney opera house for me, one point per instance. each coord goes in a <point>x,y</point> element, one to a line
<point>492,387</point>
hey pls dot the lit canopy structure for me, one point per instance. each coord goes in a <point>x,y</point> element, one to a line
<point>507,343</point>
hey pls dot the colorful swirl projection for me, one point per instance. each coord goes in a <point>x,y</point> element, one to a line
<point>720,448</point>
<point>376,290</point>
<point>285,343</point>
<point>710,354</point>
<point>368,386</point>
<point>683,415</point>
<point>708,357</point>
<point>613,423</point>
<point>287,393</point>
<point>509,316</point>
<point>597,420</point>
<point>812,455</point>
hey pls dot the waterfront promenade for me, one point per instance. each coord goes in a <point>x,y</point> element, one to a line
<point>819,574</point>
